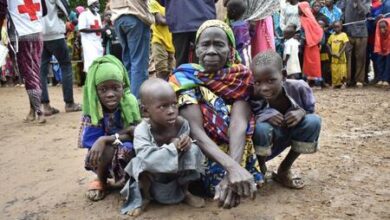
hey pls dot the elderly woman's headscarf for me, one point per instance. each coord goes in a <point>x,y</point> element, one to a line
<point>234,57</point>
<point>103,69</point>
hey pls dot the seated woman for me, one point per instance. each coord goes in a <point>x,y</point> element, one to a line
<point>213,97</point>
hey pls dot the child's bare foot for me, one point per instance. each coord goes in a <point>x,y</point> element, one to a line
<point>138,211</point>
<point>287,179</point>
<point>194,201</point>
<point>30,117</point>
<point>96,191</point>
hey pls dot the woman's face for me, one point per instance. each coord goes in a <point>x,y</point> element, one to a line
<point>213,49</point>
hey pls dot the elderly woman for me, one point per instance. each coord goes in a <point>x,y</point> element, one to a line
<point>213,98</point>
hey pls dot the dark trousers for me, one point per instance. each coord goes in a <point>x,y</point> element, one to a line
<point>59,49</point>
<point>357,59</point>
<point>184,47</point>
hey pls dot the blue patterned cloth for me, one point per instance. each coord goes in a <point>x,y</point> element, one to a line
<point>332,15</point>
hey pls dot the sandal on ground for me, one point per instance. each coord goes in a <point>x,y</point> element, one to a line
<point>74,107</point>
<point>96,191</point>
<point>288,180</point>
<point>50,111</point>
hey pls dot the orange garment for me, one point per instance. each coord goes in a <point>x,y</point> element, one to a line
<point>382,42</point>
<point>313,36</point>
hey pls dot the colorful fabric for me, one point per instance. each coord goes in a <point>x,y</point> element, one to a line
<point>215,93</point>
<point>234,56</point>
<point>161,33</point>
<point>243,40</point>
<point>332,15</point>
<point>231,84</point>
<point>109,125</point>
<point>28,62</point>
<point>337,42</point>
<point>103,69</point>
<point>312,62</point>
<point>313,31</point>
<point>264,38</point>
<point>338,65</point>
<point>313,35</point>
<point>382,42</point>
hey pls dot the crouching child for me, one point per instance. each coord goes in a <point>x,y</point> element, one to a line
<point>167,160</point>
<point>110,113</point>
<point>284,110</point>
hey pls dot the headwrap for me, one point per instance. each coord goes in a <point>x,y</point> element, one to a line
<point>313,31</point>
<point>90,2</point>
<point>258,10</point>
<point>103,69</point>
<point>382,43</point>
<point>79,9</point>
<point>234,56</point>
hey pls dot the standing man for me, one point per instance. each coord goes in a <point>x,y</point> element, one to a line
<point>355,25</point>
<point>90,27</point>
<point>132,21</point>
<point>54,44</point>
<point>25,33</point>
<point>184,17</point>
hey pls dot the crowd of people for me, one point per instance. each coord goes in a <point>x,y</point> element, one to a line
<point>174,98</point>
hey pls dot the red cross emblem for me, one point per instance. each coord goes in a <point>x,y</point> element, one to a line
<point>96,26</point>
<point>30,8</point>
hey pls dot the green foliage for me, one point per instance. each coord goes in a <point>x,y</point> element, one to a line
<point>75,3</point>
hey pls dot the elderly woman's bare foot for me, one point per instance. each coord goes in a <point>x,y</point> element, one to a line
<point>138,211</point>
<point>194,201</point>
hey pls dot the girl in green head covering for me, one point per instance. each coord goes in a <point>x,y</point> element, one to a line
<point>110,113</point>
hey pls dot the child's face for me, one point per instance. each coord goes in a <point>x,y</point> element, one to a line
<point>316,7</point>
<point>337,27</point>
<point>162,108</point>
<point>235,9</point>
<point>267,82</point>
<point>213,49</point>
<point>110,94</point>
<point>383,27</point>
<point>289,32</point>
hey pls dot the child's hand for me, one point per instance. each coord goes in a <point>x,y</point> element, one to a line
<point>276,120</point>
<point>185,143</point>
<point>95,153</point>
<point>292,118</point>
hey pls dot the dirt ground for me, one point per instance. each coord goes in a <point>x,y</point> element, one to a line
<point>349,178</point>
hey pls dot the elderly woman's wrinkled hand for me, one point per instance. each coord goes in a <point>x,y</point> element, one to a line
<point>236,184</point>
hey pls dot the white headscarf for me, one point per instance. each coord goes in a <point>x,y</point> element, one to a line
<point>90,2</point>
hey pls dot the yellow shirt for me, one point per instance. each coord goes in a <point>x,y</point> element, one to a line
<point>336,42</point>
<point>161,33</point>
